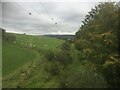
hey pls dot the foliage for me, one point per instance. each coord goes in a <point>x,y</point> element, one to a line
<point>2,33</point>
<point>49,55</point>
<point>111,70</point>
<point>9,37</point>
<point>83,76</point>
<point>57,61</point>
<point>65,46</point>
<point>54,68</point>
<point>63,57</point>
<point>97,40</point>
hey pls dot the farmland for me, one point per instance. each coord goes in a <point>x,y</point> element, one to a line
<point>41,42</point>
<point>14,57</point>
<point>22,53</point>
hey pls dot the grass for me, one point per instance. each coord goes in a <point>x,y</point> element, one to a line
<point>39,77</point>
<point>41,42</point>
<point>19,57</point>
<point>15,57</point>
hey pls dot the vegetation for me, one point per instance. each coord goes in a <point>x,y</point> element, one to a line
<point>9,37</point>
<point>19,61</point>
<point>39,42</point>
<point>14,57</point>
<point>91,61</point>
<point>97,41</point>
<point>83,76</point>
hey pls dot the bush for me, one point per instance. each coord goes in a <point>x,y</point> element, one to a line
<point>2,31</point>
<point>9,37</point>
<point>63,57</point>
<point>85,76</point>
<point>77,45</point>
<point>81,44</point>
<point>65,46</point>
<point>55,68</point>
<point>49,55</point>
<point>111,72</point>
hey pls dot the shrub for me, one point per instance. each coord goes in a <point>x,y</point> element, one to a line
<point>85,77</point>
<point>9,37</point>
<point>55,68</point>
<point>49,55</point>
<point>111,72</point>
<point>63,57</point>
<point>65,46</point>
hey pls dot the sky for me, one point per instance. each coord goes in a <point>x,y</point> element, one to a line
<point>44,17</point>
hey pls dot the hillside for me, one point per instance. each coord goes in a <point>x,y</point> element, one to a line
<point>63,37</point>
<point>40,42</point>
<point>22,53</point>
<point>15,57</point>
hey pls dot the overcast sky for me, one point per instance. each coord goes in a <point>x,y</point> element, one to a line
<point>68,16</point>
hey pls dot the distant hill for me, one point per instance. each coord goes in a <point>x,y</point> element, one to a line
<point>64,37</point>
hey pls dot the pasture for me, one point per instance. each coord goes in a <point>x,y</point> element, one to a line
<point>15,57</point>
<point>22,53</point>
<point>41,42</point>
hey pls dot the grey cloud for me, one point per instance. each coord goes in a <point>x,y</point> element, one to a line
<point>68,16</point>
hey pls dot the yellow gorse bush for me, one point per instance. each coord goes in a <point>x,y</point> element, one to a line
<point>88,50</point>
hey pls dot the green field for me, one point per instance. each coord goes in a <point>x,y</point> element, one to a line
<point>22,54</point>
<point>41,42</point>
<point>14,57</point>
<point>17,54</point>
